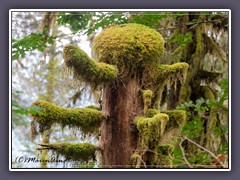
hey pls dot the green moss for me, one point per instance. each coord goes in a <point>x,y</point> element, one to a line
<point>87,119</point>
<point>128,45</point>
<point>151,112</point>
<point>207,93</point>
<point>157,77</point>
<point>177,118</point>
<point>147,99</point>
<point>75,151</point>
<point>151,129</point>
<point>93,107</point>
<point>161,156</point>
<point>198,55</point>
<point>185,93</point>
<point>175,71</point>
<point>136,160</point>
<point>86,68</point>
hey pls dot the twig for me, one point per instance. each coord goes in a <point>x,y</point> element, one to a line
<point>213,155</point>
<point>183,154</point>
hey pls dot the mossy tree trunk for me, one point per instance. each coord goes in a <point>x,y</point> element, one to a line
<point>135,132</point>
<point>207,59</point>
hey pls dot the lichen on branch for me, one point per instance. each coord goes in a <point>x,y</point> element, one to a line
<point>73,151</point>
<point>87,69</point>
<point>87,119</point>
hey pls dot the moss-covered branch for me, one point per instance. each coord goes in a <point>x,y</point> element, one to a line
<point>211,43</point>
<point>177,118</point>
<point>176,71</point>
<point>73,151</point>
<point>147,99</point>
<point>86,68</point>
<point>87,119</point>
<point>151,129</point>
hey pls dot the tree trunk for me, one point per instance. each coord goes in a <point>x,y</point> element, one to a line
<point>122,102</point>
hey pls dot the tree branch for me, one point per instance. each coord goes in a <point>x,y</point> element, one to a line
<point>213,155</point>
<point>183,154</point>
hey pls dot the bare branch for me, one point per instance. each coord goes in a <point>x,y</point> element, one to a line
<point>183,154</point>
<point>213,155</point>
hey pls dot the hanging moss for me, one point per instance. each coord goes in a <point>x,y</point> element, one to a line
<point>156,78</point>
<point>86,68</point>
<point>175,71</point>
<point>87,119</point>
<point>151,129</point>
<point>147,99</point>
<point>73,151</point>
<point>128,45</point>
<point>185,93</point>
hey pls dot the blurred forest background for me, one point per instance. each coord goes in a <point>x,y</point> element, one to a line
<point>38,39</point>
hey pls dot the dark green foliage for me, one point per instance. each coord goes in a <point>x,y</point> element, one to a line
<point>181,39</point>
<point>76,20</point>
<point>195,112</point>
<point>38,41</point>
<point>150,19</point>
<point>90,21</point>
<point>105,19</point>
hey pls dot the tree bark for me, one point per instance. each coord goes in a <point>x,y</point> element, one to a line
<point>122,102</point>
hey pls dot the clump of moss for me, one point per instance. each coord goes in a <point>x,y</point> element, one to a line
<point>151,112</point>
<point>175,71</point>
<point>147,99</point>
<point>177,118</point>
<point>86,68</point>
<point>151,129</point>
<point>88,120</point>
<point>157,77</point>
<point>128,45</point>
<point>73,151</point>
<point>161,156</point>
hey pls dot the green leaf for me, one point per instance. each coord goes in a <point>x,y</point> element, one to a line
<point>34,41</point>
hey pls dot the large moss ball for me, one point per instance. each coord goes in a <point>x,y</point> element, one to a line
<point>128,44</point>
